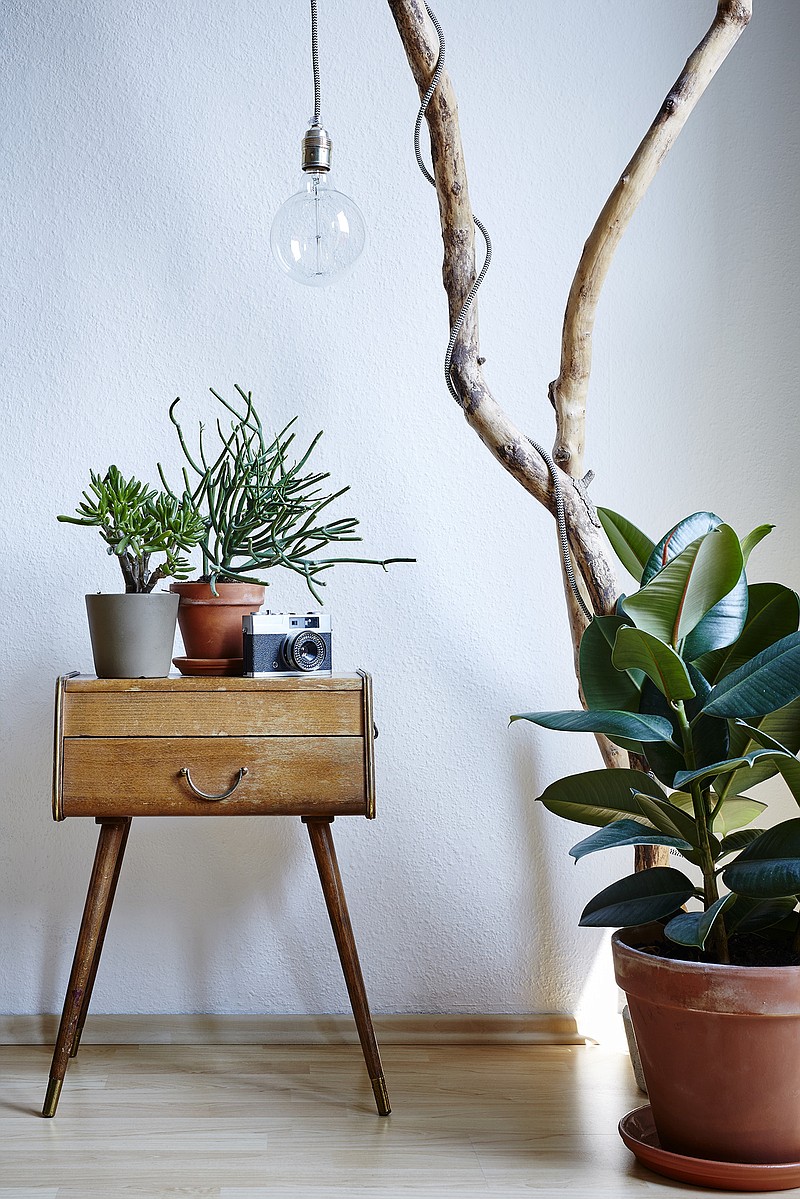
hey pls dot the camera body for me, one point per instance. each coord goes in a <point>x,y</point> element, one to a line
<point>286,644</point>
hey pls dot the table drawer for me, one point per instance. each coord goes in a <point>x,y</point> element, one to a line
<point>227,712</point>
<point>142,776</point>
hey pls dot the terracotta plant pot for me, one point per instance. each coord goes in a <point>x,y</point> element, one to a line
<point>720,1049</point>
<point>132,635</point>
<point>211,626</point>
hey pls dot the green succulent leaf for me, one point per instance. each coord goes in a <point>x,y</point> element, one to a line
<point>625,832</point>
<point>604,686</point>
<point>769,868</point>
<point>598,797</point>
<point>773,612</point>
<point>767,682</point>
<point>648,895</point>
<point>631,545</point>
<point>677,598</point>
<point>609,722</point>
<point>638,650</point>
<point>693,928</point>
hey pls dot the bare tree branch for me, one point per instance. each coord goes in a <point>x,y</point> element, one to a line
<point>590,550</point>
<point>568,392</point>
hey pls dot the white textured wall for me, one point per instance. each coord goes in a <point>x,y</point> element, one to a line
<point>145,148</point>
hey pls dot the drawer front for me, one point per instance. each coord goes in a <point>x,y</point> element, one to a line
<point>224,713</point>
<point>142,776</point>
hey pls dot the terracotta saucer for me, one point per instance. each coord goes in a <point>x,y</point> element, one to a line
<point>638,1131</point>
<point>209,666</point>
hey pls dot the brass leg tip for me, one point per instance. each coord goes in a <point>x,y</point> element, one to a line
<point>51,1098</point>
<point>381,1095</point>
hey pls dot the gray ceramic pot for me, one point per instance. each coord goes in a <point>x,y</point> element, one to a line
<point>132,635</point>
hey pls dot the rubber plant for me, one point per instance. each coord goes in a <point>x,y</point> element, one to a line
<point>137,522</point>
<point>259,509</point>
<point>698,673</point>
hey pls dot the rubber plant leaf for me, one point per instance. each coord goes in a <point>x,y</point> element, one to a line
<point>635,649</point>
<point>649,895</point>
<point>748,915</point>
<point>769,868</point>
<point>785,762</point>
<point>730,764</point>
<point>783,726</point>
<point>753,539</point>
<point>677,539</point>
<point>610,722</point>
<point>602,684</point>
<point>679,596</point>
<point>599,797</point>
<point>631,545</point>
<point>767,682</point>
<point>693,928</point>
<point>624,832</point>
<point>773,612</point>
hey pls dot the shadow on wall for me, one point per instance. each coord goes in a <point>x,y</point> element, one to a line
<point>569,980</point>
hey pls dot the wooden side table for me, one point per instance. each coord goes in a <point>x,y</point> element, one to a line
<point>211,747</point>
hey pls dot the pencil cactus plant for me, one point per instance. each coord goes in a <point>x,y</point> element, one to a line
<point>137,522</point>
<point>699,673</point>
<point>259,509</point>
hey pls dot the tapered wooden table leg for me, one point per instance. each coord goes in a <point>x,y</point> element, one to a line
<point>320,832</point>
<point>87,995</point>
<point>103,881</point>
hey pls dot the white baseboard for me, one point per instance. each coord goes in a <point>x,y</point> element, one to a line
<point>298,1030</point>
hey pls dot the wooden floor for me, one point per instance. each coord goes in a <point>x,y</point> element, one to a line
<point>274,1122</point>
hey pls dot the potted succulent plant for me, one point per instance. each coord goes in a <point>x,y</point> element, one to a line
<point>260,511</point>
<point>698,672</point>
<point>132,633</point>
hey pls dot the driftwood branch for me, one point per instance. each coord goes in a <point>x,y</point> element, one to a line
<point>568,392</point>
<point>510,446</point>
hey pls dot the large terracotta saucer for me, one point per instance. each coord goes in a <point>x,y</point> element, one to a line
<point>638,1131</point>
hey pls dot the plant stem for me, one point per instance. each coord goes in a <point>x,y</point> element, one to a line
<point>719,936</point>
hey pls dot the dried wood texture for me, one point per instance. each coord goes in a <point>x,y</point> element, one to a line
<point>591,554</point>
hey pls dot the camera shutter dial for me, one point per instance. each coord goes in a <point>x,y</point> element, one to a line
<point>304,650</point>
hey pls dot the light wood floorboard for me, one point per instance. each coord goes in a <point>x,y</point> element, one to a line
<point>285,1122</point>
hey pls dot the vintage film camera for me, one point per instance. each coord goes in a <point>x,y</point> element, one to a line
<point>284,644</point>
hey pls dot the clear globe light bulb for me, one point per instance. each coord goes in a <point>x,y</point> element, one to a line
<point>318,234</point>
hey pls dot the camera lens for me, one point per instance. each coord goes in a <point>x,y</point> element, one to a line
<point>304,651</point>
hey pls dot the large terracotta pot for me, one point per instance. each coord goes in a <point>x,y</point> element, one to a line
<point>211,626</point>
<point>132,634</point>
<point>720,1049</point>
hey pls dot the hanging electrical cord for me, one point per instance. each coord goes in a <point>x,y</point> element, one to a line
<point>561,519</point>
<point>315,65</point>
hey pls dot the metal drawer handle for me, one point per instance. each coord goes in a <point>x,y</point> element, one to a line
<point>184,771</point>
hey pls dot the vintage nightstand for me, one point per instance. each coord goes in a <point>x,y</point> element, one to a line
<point>211,747</point>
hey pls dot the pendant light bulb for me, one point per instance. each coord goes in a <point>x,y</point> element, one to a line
<point>319,233</point>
